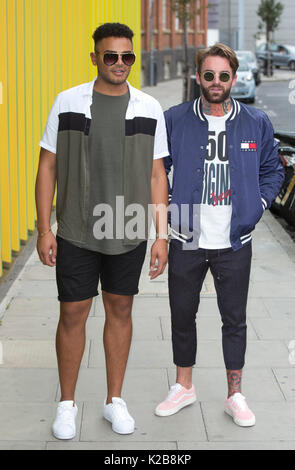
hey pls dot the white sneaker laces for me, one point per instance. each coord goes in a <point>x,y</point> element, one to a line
<point>120,410</point>
<point>173,391</point>
<point>240,400</point>
<point>66,414</point>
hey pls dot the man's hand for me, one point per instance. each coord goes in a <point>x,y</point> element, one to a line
<point>46,244</point>
<point>159,252</point>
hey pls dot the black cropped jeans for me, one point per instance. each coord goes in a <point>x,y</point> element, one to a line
<point>231,273</point>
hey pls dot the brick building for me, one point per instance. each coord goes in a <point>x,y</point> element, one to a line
<point>168,38</point>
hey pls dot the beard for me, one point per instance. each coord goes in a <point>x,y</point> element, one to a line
<point>209,95</point>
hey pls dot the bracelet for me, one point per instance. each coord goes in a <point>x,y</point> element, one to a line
<point>41,234</point>
<point>162,236</point>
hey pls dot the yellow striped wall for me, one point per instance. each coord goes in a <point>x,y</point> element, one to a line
<point>45,48</point>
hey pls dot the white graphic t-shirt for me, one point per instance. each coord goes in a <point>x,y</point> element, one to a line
<point>216,208</point>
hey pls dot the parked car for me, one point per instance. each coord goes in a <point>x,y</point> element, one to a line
<point>249,57</point>
<point>282,55</point>
<point>284,204</point>
<point>245,87</point>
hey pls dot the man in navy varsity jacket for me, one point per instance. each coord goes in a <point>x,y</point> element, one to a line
<point>226,172</point>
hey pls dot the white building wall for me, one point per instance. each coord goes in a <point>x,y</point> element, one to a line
<point>229,23</point>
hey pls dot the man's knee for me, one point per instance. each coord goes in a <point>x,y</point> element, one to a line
<point>74,314</point>
<point>118,307</point>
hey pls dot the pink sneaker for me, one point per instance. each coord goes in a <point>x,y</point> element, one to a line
<point>178,397</point>
<point>237,408</point>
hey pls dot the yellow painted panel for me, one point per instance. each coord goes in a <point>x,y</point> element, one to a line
<point>82,19</point>
<point>63,51</point>
<point>12,124</point>
<point>22,157</point>
<point>44,82</point>
<point>36,90</point>
<point>53,41</point>
<point>93,23</point>
<point>52,72</point>
<point>76,44</point>
<point>5,236</point>
<point>28,46</point>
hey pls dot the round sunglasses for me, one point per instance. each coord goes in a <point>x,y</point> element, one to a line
<point>223,76</point>
<point>111,58</point>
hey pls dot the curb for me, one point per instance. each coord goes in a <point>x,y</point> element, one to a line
<point>267,80</point>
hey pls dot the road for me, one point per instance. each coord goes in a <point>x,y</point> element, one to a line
<point>275,98</point>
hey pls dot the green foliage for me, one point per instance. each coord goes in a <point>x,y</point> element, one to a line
<point>270,13</point>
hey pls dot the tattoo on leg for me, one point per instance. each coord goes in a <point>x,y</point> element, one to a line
<point>234,379</point>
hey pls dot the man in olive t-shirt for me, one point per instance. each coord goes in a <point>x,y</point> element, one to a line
<point>83,149</point>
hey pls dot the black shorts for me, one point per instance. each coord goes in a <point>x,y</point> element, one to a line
<point>79,270</point>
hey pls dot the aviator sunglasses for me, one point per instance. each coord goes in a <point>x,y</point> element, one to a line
<point>111,58</point>
<point>223,76</point>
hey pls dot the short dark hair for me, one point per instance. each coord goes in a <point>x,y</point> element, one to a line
<point>107,30</point>
<point>220,50</point>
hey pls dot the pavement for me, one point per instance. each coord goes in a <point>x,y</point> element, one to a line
<point>29,387</point>
<point>279,75</point>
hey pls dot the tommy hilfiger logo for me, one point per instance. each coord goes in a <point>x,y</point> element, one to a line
<point>249,145</point>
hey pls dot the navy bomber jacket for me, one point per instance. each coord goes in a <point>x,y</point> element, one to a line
<point>256,172</point>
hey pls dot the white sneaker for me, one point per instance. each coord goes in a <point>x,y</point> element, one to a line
<point>117,413</point>
<point>64,426</point>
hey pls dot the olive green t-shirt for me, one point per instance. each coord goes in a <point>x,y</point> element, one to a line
<point>106,157</point>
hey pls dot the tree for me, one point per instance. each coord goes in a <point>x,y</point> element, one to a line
<point>185,10</point>
<point>270,13</point>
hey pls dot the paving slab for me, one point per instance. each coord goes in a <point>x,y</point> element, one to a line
<point>34,306</point>
<point>272,289</point>
<point>273,273</point>
<point>270,328</point>
<point>36,353</point>
<point>115,446</point>
<point>257,445</point>
<point>28,421</point>
<point>22,445</point>
<point>275,422</point>
<point>28,385</point>
<point>140,385</point>
<point>36,288</point>
<point>272,353</point>
<point>144,328</point>
<point>28,306</point>
<point>286,381</point>
<point>143,354</point>
<point>39,272</point>
<point>280,308</point>
<point>29,327</point>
